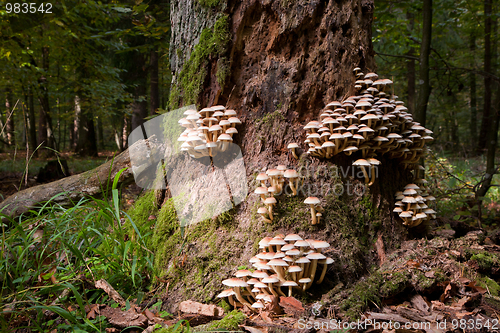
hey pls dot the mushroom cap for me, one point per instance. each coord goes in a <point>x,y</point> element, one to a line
<point>262,176</point>
<point>261,296</point>
<point>312,201</point>
<point>302,260</point>
<point>409,199</point>
<point>281,167</point>
<point>294,269</point>
<point>290,173</point>
<point>406,214</point>
<point>289,284</point>
<point>316,256</point>
<point>258,305</point>
<point>224,137</point>
<point>361,162</point>
<point>302,243</point>
<point>264,242</point>
<point>218,107</point>
<point>287,247</point>
<point>327,261</point>
<point>270,201</point>
<point>319,244</point>
<point>271,189</point>
<point>279,255</point>
<point>231,130</point>
<point>277,241</point>
<point>270,279</point>
<point>397,210</point>
<point>226,293</point>
<point>412,186</point>
<point>293,145</point>
<point>258,274</point>
<point>215,128</point>
<point>277,262</point>
<point>373,161</point>
<point>261,190</point>
<point>234,282</point>
<point>252,281</point>
<point>409,191</point>
<point>292,237</point>
<point>293,252</point>
<point>230,113</point>
<point>305,280</point>
<point>242,273</point>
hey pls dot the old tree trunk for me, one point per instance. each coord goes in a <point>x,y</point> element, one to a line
<point>277,63</point>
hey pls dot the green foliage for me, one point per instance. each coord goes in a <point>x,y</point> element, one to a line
<point>213,43</point>
<point>211,3</point>
<point>63,247</point>
<point>230,321</point>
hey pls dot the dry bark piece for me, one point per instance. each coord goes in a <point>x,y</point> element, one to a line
<point>201,309</point>
<point>122,319</point>
<point>108,289</point>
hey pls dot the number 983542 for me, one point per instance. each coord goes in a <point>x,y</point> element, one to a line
<point>26,8</point>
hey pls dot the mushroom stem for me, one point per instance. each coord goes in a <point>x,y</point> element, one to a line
<point>294,154</point>
<point>270,286</point>
<point>231,301</point>
<point>281,292</point>
<point>289,291</point>
<point>323,273</point>
<point>314,264</point>
<point>372,170</point>
<point>313,215</point>
<point>270,209</point>
<point>292,186</point>
<point>240,298</point>
<point>367,179</point>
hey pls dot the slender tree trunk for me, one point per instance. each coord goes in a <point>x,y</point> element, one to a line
<point>86,144</point>
<point>32,120</point>
<point>473,96</point>
<point>9,125</point>
<point>424,90</point>
<point>410,68</point>
<point>154,94</point>
<point>100,132</point>
<point>76,122</point>
<point>45,133</point>
<point>485,122</point>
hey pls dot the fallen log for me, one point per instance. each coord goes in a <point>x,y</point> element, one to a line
<point>69,190</point>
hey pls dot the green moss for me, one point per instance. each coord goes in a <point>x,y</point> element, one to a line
<point>365,291</point>
<point>394,284</point>
<point>485,261</point>
<point>270,118</point>
<point>230,322</point>
<point>211,3</point>
<point>213,43</point>
<point>492,286</point>
<point>223,71</point>
<point>143,208</point>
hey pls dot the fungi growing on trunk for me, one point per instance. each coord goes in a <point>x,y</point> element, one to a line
<point>312,202</point>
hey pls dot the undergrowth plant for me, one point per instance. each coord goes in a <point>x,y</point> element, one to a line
<point>52,257</point>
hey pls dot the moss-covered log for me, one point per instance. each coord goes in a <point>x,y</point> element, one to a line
<point>69,190</point>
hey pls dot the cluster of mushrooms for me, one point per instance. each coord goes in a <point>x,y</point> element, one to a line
<point>208,131</point>
<point>286,262</point>
<point>276,178</point>
<point>411,204</point>
<point>372,122</point>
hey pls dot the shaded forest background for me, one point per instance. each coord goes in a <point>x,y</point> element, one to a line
<point>80,79</point>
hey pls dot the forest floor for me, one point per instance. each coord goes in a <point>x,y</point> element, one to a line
<point>446,281</point>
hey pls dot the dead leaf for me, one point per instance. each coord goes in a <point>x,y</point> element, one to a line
<point>429,274</point>
<point>252,329</point>
<point>108,289</point>
<point>265,315</point>
<point>149,314</point>
<point>413,264</point>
